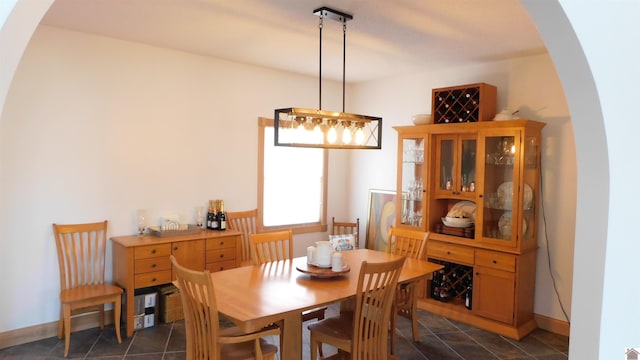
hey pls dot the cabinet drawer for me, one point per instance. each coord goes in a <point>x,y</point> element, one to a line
<point>152,279</point>
<point>152,264</point>
<point>221,243</point>
<point>496,260</point>
<point>220,255</point>
<point>448,252</point>
<point>221,265</point>
<point>148,251</point>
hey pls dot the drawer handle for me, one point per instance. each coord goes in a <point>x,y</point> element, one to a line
<point>221,255</point>
<point>153,265</point>
<point>221,242</point>
<point>495,261</point>
<point>478,273</point>
<point>221,268</point>
<point>448,252</point>
<point>153,280</point>
<point>153,251</point>
<point>175,248</point>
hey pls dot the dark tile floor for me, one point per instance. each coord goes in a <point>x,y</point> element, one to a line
<point>440,339</point>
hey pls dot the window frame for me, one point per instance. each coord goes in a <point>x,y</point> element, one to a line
<point>320,226</point>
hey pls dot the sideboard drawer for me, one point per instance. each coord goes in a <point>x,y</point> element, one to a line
<point>220,255</point>
<point>221,265</point>
<point>152,264</point>
<point>152,279</point>
<point>496,260</point>
<point>147,251</point>
<point>449,252</point>
<point>221,243</point>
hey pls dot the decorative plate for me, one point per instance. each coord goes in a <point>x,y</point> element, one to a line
<point>463,209</point>
<point>504,225</point>
<point>505,195</point>
<point>458,222</point>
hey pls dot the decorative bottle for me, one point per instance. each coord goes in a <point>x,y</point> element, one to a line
<point>222,217</point>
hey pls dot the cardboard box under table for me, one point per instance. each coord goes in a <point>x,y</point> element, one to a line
<point>170,304</point>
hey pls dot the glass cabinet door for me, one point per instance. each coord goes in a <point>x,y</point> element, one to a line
<point>456,173</point>
<point>412,181</point>
<point>500,187</point>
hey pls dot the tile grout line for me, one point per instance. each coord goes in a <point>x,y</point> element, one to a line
<point>166,344</point>
<point>133,338</point>
<point>93,345</point>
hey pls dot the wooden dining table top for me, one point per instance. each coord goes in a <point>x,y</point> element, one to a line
<point>258,295</point>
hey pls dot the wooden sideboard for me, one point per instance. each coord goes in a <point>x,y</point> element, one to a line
<point>143,261</point>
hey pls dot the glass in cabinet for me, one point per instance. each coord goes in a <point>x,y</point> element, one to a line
<point>508,194</point>
<point>456,173</point>
<point>411,180</point>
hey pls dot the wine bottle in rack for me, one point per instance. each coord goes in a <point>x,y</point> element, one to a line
<point>222,217</point>
<point>468,299</point>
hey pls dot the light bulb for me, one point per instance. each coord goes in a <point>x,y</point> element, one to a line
<point>359,136</point>
<point>317,134</point>
<point>332,136</point>
<point>346,136</point>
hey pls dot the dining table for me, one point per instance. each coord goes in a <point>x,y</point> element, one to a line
<point>255,296</point>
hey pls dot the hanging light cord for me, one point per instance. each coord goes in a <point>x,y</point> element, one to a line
<point>320,69</point>
<point>344,57</point>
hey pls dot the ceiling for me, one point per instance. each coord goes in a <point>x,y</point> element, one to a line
<point>385,38</point>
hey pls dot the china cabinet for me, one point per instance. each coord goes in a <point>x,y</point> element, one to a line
<point>486,173</point>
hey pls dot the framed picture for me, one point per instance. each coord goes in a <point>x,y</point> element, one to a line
<point>382,215</point>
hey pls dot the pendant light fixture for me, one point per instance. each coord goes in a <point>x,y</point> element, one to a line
<point>317,128</point>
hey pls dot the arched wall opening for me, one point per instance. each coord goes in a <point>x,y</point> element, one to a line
<point>19,18</point>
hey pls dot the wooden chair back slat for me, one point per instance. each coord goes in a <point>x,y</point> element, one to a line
<point>342,228</point>
<point>271,246</point>
<point>81,253</point>
<point>409,243</point>
<point>247,223</point>
<point>377,285</point>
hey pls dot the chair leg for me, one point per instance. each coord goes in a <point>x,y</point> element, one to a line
<point>116,317</point>
<point>61,323</point>
<point>392,330</point>
<point>102,318</point>
<point>414,320</point>
<point>313,347</point>
<point>66,309</point>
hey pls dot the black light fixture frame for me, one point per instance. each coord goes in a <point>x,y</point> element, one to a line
<point>292,114</point>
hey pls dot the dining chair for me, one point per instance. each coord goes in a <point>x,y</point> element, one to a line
<point>245,222</point>
<point>413,244</point>
<point>363,333</point>
<point>343,228</point>
<point>81,259</point>
<point>275,246</point>
<point>205,338</point>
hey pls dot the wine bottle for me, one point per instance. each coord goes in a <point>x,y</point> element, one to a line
<point>435,285</point>
<point>222,217</point>
<point>444,288</point>
<point>210,215</point>
<point>215,224</point>
<point>468,299</point>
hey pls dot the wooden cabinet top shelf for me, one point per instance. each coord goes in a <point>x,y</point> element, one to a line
<point>136,240</point>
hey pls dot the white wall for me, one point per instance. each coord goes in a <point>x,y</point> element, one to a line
<point>95,128</point>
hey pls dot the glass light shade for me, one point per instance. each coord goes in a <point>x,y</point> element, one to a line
<point>334,127</point>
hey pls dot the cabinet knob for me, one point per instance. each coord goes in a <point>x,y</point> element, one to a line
<point>153,251</point>
<point>153,280</point>
<point>153,265</point>
<point>495,261</point>
<point>448,252</point>
<point>479,195</point>
<point>221,268</point>
<point>221,255</point>
<point>175,248</point>
<point>221,242</point>
<point>477,273</point>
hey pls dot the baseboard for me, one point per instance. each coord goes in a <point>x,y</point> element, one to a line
<point>555,326</point>
<point>47,330</point>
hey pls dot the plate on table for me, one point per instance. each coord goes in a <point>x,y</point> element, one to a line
<point>504,195</point>
<point>322,272</point>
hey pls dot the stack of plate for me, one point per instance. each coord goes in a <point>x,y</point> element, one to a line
<point>461,222</point>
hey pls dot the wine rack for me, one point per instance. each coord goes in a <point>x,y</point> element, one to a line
<point>450,283</point>
<point>464,103</point>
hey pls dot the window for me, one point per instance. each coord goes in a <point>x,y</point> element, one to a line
<point>292,184</point>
